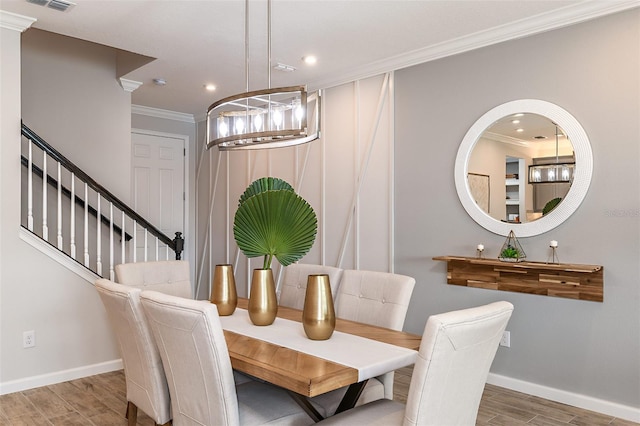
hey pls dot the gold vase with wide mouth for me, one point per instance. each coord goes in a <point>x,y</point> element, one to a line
<point>223,290</point>
<point>318,315</point>
<point>263,304</point>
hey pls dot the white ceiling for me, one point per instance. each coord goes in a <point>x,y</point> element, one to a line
<point>198,42</point>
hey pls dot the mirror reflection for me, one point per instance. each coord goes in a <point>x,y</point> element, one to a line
<point>521,167</point>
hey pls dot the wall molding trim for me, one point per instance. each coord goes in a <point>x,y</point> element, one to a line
<point>162,113</point>
<point>13,21</point>
<point>565,397</point>
<point>570,15</point>
<point>60,376</point>
<point>58,256</point>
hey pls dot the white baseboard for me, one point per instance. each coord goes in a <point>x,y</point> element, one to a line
<point>59,376</point>
<point>577,400</point>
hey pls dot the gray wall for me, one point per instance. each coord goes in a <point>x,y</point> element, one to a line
<point>593,71</point>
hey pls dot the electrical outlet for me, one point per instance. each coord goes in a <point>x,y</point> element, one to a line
<point>29,339</point>
<point>506,339</point>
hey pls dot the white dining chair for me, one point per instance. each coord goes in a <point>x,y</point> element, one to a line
<point>198,368</point>
<point>376,298</point>
<point>294,282</point>
<point>144,376</point>
<point>166,276</point>
<point>449,376</point>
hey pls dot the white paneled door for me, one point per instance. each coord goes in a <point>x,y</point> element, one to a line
<point>157,188</point>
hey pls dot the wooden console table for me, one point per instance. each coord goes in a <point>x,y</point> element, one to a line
<point>573,281</point>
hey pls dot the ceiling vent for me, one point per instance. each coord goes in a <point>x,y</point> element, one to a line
<point>59,5</point>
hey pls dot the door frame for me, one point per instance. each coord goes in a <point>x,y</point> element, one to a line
<point>187,200</point>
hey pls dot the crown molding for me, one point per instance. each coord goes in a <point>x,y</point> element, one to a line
<point>129,85</point>
<point>547,21</point>
<point>13,21</point>
<point>162,113</point>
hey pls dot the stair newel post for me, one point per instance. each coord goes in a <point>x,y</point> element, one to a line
<point>178,245</point>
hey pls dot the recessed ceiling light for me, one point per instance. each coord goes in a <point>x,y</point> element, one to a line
<point>518,115</point>
<point>519,130</point>
<point>284,67</point>
<point>309,59</point>
<point>515,121</point>
<point>210,87</point>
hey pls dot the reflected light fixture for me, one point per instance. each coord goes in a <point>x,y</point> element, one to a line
<point>552,173</point>
<point>268,118</point>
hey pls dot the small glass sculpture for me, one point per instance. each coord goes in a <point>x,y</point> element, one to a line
<point>511,250</point>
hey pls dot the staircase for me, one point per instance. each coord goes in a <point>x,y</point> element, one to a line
<point>82,219</point>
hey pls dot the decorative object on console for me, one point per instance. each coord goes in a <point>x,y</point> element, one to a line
<point>511,250</point>
<point>479,251</point>
<point>318,315</point>
<point>272,220</point>
<point>223,290</point>
<point>553,258</point>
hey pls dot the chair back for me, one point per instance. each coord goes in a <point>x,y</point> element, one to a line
<point>145,378</point>
<point>166,276</point>
<point>455,355</point>
<point>294,282</point>
<point>376,298</point>
<point>195,358</point>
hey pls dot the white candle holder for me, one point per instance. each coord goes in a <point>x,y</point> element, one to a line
<point>553,257</point>
<point>480,251</point>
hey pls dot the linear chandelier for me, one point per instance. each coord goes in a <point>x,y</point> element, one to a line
<point>268,118</point>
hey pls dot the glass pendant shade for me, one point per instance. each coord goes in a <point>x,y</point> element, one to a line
<point>269,118</point>
<point>551,173</point>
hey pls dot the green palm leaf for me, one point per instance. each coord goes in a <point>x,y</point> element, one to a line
<point>264,184</point>
<point>276,223</point>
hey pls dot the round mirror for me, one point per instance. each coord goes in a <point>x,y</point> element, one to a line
<point>524,166</point>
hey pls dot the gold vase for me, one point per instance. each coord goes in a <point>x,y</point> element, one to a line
<point>263,305</point>
<point>223,290</point>
<point>318,315</point>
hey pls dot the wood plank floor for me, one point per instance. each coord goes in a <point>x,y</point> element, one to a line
<point>101,401</point>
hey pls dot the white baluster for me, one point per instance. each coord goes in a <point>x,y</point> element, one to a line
<point>59,206</point>
<point>45,178</point>
<point>135,241</point>
<point>111,274</point>
<point>98,241</point>
<point>86,225</point>
<point>146,245</point>
<point>123,239</point>
<point>30,190</point>
<point>72,228</point>
<point>157,248</point>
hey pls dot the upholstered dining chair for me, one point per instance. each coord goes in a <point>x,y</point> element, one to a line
<point>198,368</point>
<point>294,282</point>
<point>376,298</point>
<point>145,379</point>
<point>166,276</point>
<point>448,379</point>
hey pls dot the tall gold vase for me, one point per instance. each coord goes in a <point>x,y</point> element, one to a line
<point>318,315</point>
<point>263,305</point>
<point>223,290</point>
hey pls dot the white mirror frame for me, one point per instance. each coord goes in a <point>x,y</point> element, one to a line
<point>581,178</point>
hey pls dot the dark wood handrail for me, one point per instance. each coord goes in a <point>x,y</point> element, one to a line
<point>176,244</point>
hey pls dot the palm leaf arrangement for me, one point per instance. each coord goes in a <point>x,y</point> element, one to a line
<point>273,221</point>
